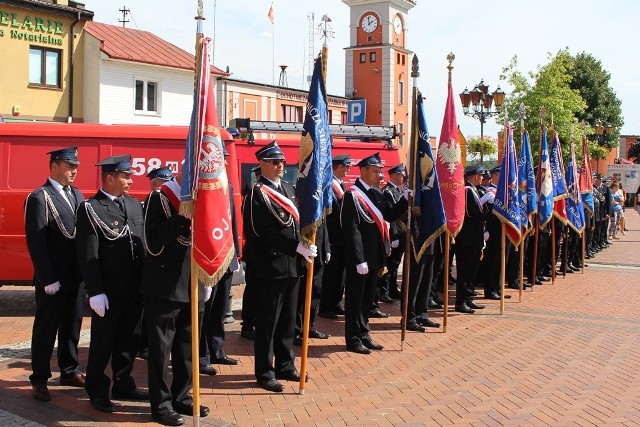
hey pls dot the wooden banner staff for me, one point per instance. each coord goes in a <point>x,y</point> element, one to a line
<point>195,336</point>
<point>447,240</point>
<point>536,218</point>
<point>408,253</point>
<point>503,227</point>
<point>553,225</point>
<point>584,226</point>
<point>306,315</point>
<point>521,113</point>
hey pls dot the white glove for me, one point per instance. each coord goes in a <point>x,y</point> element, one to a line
<point>362,268</point>
<point>408,192</point>
<point>307,253</point>
<point>100,304</point>
<point>489,196</point>
<point>328,257</point>
<point>208,290</point>
<point>52,289</point>
<point>486,236</point>
<point>395,243</point>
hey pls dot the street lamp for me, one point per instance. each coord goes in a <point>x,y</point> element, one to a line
<point>602,132</point>
<point>478,103</point>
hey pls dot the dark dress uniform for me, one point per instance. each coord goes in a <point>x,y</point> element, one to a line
<point>363,243</point>
<point>111,257</point>
<point>388,284</point>
<point>166,289</point>
<point>50,229</point>
<point>273,235</point>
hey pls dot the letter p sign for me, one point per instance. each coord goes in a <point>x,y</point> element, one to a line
<point>356,111</point>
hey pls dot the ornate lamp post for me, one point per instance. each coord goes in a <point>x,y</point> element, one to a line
<point>602,132</point>
<point>478,103</point>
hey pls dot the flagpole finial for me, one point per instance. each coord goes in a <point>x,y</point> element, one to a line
<point>450,58</point>
<point>415,67</point>
<point>200,10</point>
<point>543,114</point>
<point>522,111</point>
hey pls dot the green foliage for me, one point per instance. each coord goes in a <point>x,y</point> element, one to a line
<point>481,147</point>
<point>634,152</point>
<point>598,152</point>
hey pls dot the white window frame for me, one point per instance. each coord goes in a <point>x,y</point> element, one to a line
<point>145,111</point>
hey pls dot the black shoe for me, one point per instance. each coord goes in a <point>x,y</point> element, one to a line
<point>297,340</point>
<point>208,370</point>
<point>394,292</point>
<point>473,305</point>
<point>386,299</point>
<point>378,314</point>
<point>144,354</point>
<point>413,326</point>
<point>271,385</point>
<point>328,315</point>
<point>464,308</point>
<point>544,278</point>
<point>229,319</point>
<point>339,311</point>
<point>248,334</point>
<point>103,404</point>
<point>225,361</point>
<point>359,348</point>
<point>290,376</point>
<point>134,394</point>
<point>318,335</point>
<point>427,322</point>
<point>185,409</point>
<point>513,285</point>
<point>493,296</point>
<point>169,419</point>
<point>434,304</point>
<point>41,393</point>
<point>372,345</point>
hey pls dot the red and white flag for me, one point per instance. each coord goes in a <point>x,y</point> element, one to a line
<point>270,14</point>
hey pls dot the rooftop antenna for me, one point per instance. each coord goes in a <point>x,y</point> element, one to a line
<point>125,13</point>
<point>282,81</point>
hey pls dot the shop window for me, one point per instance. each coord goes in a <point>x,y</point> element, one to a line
<point>44,67</point>
<point>291,114</point>
<point>146,97</point>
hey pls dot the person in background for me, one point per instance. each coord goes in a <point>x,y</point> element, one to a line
<point>616,203</point>
<point>622,195</point>
<point>50,229</point>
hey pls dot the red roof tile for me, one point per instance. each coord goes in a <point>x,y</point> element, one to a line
<point>132,45</point>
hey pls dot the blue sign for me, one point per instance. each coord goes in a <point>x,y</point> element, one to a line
<point>356,111</point>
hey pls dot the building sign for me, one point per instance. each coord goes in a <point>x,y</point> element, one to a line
<point>302,97</point>
<point>32,29</point>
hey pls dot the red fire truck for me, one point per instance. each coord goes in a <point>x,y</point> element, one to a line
<point>24,164</point>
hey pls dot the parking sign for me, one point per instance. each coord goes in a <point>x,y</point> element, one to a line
<point>356,111</point>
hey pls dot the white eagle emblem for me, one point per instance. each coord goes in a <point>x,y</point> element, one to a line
<point>450,154</point>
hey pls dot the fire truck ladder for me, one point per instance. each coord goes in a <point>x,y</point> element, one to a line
<point>363,133</point>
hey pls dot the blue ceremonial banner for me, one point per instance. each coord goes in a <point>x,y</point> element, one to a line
<point>545,193</point>
<point>527,184</point>
<point>314,191</point>
<point>506,205</point>
<point>557,169</point>
<point>575,210</point>
<point>429,220</point>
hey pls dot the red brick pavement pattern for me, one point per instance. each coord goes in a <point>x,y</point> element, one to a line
<point>566,356</point>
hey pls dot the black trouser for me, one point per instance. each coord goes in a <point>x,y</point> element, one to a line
<point>467,262</point>
<point>390,277</point>
<point>212,331</point>
<point>169,327</point>
<point>513,262</point>
<point>420,279</point>
<point>333,281</point>
<point>114,337</point>
<point>61,315</point>
<point>275,327</point>
<point>359,292</point>
<point>316,291</point>
<point>249,296</point>
<point>490,264</point>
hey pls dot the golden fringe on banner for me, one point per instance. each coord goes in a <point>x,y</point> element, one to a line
<point>427,242</point>
<point>187,209</point>
<point>309,230</point>
<point>211,281</point>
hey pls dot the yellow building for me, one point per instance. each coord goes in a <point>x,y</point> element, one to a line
<point>41,51</point>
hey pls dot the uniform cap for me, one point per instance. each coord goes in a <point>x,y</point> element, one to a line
<point>164,173</point>
<point>397,169</point>
<point>597,175</point>
<point>476,169</point>
<point>69,155</point>
<point>495,170</point>
<point>342,159</point>
<point>271,151</point>
<point>486,174</point>
<point>116,164</point>
<point>256,170</point>
<point>373,160</point>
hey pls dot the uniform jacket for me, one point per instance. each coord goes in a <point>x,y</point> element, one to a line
<point>272,234</point>
<point>393,194</point>
<point>109,266</point>
<point>334,228</point>
<point>363,242</point>
<point>167,268</point>
<point>472,231</point>
<point>52,253</point>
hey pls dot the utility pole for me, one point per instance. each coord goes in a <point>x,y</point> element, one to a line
<point>125,13</point>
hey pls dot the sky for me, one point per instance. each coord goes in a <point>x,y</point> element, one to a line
<point>484,36</point>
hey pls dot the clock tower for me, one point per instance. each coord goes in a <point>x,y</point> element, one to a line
<point>378,64</point>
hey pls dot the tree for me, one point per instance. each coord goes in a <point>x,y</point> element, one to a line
<point>482,146</point>
<point>634,152</point>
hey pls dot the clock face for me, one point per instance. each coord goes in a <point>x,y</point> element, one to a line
<point>397,24</point>
<point>369,23</point>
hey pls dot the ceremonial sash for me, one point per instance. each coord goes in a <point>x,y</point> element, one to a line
<point>171,189</point>
<point>475,195</point>
<point>281,201</point>
<point>337,189</point>
<point>383,226</point>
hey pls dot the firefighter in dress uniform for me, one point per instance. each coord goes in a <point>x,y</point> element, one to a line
<point>111,256</point>
<point>363,216</point>
<point>50,229</point>
<point>272,230</point>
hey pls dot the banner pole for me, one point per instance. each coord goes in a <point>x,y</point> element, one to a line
<point>553,249</point>
<point>503,268</point>
<point>583,236</point>
<point>521,270</point>
<point>445,272</point>
<point>305,322</point>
